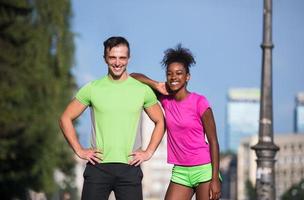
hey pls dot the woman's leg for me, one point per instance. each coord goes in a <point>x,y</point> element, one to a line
<point>202,191</point>
<point>178,192</point>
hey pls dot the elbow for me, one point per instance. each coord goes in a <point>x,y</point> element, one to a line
<point>163,125</point>
<point>61,121</point>
<point>214,146</point>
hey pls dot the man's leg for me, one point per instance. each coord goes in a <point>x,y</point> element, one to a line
<point>128,183</point>
<point>98,182</point>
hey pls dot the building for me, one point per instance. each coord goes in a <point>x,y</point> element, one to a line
<point>79,169</point>
<point>242,115</point>
<point>299,113</point>
<point>246,166</point>
<point>228,169</point>
<point>289,168</point>
<point>157,172</point>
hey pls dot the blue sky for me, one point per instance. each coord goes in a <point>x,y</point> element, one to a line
<point>225,37</point>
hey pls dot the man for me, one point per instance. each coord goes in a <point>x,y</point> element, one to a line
<point>116,101</point>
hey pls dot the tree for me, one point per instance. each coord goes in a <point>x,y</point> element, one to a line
<point>36,83</point>
<point>296,192</point>
<point>250,190</point>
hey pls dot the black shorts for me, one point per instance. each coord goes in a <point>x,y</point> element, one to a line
<point>123,179</point>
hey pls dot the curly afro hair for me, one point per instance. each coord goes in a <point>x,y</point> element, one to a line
<point>178,54</point>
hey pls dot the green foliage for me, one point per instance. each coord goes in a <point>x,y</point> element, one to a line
<point>296,192</point>
<point>36,83</point>
<point>250,190</point>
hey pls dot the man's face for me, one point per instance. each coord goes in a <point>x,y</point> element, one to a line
<point>117,59</point>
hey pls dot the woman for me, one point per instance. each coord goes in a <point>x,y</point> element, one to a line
<point>189,121</point>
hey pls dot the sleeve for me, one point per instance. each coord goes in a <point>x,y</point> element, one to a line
<point>150,98</point>
<point>84,94</point>
<point>203,105</point>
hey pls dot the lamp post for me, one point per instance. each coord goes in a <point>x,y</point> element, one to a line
<point>265,148</point>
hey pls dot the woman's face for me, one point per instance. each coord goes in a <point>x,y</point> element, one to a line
<point>177,76</point>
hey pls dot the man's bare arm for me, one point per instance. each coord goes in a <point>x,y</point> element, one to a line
<point>156,115</point>
<point>160,87</point>
<point>72,111</point>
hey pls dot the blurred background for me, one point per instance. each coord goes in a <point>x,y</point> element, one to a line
<point>48,49</point>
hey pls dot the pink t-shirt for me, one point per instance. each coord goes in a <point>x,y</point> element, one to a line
<point>186,137</point>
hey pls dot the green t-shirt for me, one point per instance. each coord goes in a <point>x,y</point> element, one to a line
<point>116,107</point>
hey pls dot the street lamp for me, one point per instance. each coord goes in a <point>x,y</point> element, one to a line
<point>265,148</point>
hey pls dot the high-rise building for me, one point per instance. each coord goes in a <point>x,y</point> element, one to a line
<point>242,115</point>
<point>288,167</point>
<point>299,114</point>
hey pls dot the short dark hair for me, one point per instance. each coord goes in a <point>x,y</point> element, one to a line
<point>178,54</point>
<point>113,42</point>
